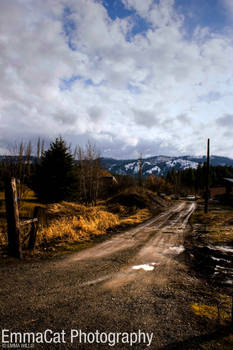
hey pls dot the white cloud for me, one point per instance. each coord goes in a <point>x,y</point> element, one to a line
<point>228,6</point>
<point>226,121</point>
<point>142,7</point>
<point>126,92</point>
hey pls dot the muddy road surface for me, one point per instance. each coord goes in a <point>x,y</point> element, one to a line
<point>135,281</point>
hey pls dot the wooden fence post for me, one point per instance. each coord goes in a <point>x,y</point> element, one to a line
<point>12,215</point>
<point>232,310</point>
<point>207,190</point>
<point>34,227</point>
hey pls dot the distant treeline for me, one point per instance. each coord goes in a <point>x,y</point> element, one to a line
<point>57,173</point>
<point>195,179</point>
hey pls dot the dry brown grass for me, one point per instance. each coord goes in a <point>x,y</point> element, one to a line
<point>76,223</point>
<point>3,232</point>
<point>139,216</point>
<point>71,222</point>
<point>221,235</point>
<point>26,209</point>
<point>219,225</point>
<point>219,217</point>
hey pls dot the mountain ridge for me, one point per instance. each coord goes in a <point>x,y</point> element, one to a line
<point>160,165</point>
<point>157,165</point>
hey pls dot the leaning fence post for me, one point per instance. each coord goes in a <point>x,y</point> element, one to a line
<point>33,231</point>
<point>12,215</point>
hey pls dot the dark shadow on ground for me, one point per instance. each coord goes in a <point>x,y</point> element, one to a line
<point>194,343</point>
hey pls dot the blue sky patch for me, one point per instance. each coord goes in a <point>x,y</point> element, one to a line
<point>134,89</point>
<point>89,82</point>
<point>210,97</point>
<point>141,25</point>
<point>207,13</point>
<point>67,83</point>
<point>69,27</point>
<point>116,9</point>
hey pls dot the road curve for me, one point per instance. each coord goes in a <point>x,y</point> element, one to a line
<point>134,281</point>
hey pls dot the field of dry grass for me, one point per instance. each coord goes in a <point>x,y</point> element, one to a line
<point>27,203</point>
<point>69,222</point>
<point>218,223</point>
<point>215,230</point>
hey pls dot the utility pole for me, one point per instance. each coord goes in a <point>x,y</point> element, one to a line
<point>207,177</point>
<point>140,170</point>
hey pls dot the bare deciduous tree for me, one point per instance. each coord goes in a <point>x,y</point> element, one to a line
<point>19,164</point>
<point>90,172</point>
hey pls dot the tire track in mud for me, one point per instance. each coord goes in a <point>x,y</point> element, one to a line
<point>160,240</point>
<point>127,240</point>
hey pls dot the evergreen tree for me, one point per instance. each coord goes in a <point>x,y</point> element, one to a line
<point>56,175</point>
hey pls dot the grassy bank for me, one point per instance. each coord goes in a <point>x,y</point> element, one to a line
<point>71,222</point>
<point>72,226</point>
<point>217,224</point>
<point>211,251</point>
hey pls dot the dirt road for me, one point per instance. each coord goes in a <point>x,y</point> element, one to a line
<point>134,281</point>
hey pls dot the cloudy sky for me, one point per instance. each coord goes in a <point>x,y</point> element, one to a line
<point>132,76</point>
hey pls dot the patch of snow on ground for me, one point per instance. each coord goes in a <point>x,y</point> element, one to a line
<point>217,259</point>
<point>225,269</point>
<point>146,267</point>
<point>229,282</point>
<point>225,249</point>
<point>221,248</point>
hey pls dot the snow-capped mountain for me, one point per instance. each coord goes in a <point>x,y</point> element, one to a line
<point>159,165</point>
